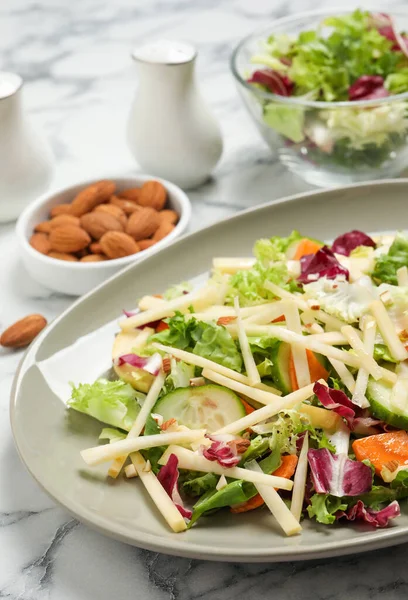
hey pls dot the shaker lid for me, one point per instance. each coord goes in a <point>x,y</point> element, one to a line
<point>9,84</point>
<point>166,52</point>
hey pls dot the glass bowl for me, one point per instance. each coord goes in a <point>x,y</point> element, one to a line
<point>325,143</point>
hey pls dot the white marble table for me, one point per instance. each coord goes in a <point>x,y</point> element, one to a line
<point>74,57</point>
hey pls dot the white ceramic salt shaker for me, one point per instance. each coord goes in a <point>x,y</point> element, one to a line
<point>171,131</point>
<point>26,161</point>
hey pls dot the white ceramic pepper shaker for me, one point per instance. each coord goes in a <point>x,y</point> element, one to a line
<point>26,161</point>
<point>171,132</point>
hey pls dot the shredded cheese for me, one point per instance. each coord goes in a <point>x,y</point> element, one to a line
<point>140,421</point>
<point>270,410</point>
<point>199,299</point>
<point>402,276</point>
<point>99,454</point>
<point>369,332</point>
<point>276,505</point>
<point>195,462</point>
<point>249,362</point>
<point>299,481</point>
<point>387,330</point>
<point>344,374</point>
<point>298,352</point>
<point>205,363</point>
<point>158,494</point>
<point>230,266</point>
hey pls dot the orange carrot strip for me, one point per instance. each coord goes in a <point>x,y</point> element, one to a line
<point>248,408</point>
<point>306,247</point>
<point>382,448</point>
<point>316,369</point>
<point>286,470</point>
<point>162,326</point>
<point>279,319</point>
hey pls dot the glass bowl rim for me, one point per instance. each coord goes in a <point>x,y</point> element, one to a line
<point>298,100</point>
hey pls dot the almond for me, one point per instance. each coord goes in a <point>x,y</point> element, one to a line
<point>60,209</point>
<point>163,231</point>
<point>113,210</point>
<point>127,206</point>
<point>63,256</point>
<point>95,248</point>
<point>93,258</point>
<point>40,242</point>
<point>91,196</point>
<point>168,215</point>
<point>43,227</point>
<point>98,223</point>
<point>145,244</point>
<point>131,194</point>
<point>116,244</point>
<point>68,238</point>
<point>64,220</point>
<point>153,194</point>
<point>23,332</point>
<point>143,223</point>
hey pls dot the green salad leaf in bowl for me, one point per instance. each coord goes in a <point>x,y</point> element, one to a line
<point>329,93</point>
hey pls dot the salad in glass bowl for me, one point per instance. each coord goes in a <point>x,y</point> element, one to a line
<point>280,384</point>
<point>329,93</point>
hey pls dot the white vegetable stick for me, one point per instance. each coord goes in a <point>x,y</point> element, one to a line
<point>232,265</point>
<point>195,462</point>
<point>130,471</point>
<point>140,421</point>
<point>308,341</point>
<point>285,295</point>
<point>158,494</point>
<point>250,366</point>
<point>222,483</point>
<point>335,338</point>
<point>149,302</point>
<point>399,394</point>
<point>268,313</point>
<point>99,454</point>
<point>199,299</point>
<point>299,481</point>
<point>332,322</point>
<point>402,276</point>
<point>261,414</point>
<point>367,361</point>
<point>205,363</point>
<point>320,418</point>
<point>252,392</point>
<point>298,352</point>
<point>344,374</point>
<point>387,330</point>
<point>369,334</point>
<point>276,505</point>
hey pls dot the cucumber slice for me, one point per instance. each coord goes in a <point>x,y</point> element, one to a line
<point>207,406</point>
<point>280,356</point>
<point>379,397</point>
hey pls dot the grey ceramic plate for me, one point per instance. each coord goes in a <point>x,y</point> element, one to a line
<point>49,440</point>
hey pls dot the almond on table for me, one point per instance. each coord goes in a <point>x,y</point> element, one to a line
<point>22,332</point>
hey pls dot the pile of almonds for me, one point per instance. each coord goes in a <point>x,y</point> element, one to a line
<point>102,223</point>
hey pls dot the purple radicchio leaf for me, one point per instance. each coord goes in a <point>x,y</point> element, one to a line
<point>337,474</point>
<point>376,518</point>
<point>368,87</point>
<point>346,243</point>
<point>151,364</point>
<point>275,82</point>
<point>321,264</point>
<point>168,477</point>
<point>224,453</point>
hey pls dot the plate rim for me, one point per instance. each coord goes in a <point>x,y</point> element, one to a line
<point>188,549</point>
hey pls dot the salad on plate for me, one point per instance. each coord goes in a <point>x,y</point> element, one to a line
<point>279,384</point>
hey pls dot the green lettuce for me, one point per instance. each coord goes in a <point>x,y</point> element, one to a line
<point>397,83</point>
<point>179,376</point>
<point>200,484</point>
<point>113,435</point>
<point>112,402</point>
<point>324,507</point>
<point>177,290</point>
<point>208,340</point>
<point>286,120</point>
<point>381,352</point>
<point>273,249</point>
<point>387,265</point>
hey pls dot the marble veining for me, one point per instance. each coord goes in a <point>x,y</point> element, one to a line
<point>75,59</point>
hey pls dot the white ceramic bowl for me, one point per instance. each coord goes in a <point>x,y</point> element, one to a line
<point>75,278</point>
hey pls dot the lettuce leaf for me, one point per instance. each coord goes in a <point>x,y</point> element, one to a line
<point>208,340</point>
<point>324,507</point>
<point>200,484</point>
<point>381,352</point>
<point>387,265</point>
<point>111,402</point>
<point>113,435</point>
<point>177,290</point>
<point>274,249</point>
<point>286,120</point>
